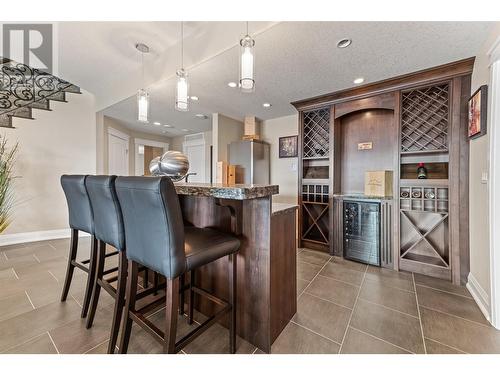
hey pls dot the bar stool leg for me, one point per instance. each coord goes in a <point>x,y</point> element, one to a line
<point>71,267</point>
<point>131,293</point>
<point>232,268</point>
<point>171,311</point>
<point>96,289</point>
<point>182,299</point>
<point>90,277</point>
<point>119,301</point>
<point>145,279</point>
<point>191,297</point>
<point>155,283</point>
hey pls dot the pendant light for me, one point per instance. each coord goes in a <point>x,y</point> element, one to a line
<point>182,86</point>
<point>142,94</point>
<point>247,63</point>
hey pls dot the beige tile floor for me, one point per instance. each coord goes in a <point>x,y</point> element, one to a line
<point>343,307</point>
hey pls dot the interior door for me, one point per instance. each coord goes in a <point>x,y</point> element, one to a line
<point>118,155</point>
<point>196,157</point>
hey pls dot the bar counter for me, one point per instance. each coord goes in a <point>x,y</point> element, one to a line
<point>266,276</point>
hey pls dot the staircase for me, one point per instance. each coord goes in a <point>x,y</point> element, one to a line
<point>23,89</point>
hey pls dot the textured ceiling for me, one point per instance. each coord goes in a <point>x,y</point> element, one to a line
<point>297,60</point>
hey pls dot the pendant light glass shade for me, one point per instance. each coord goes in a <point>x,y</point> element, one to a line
<point>181,91</point>
<point>142,105</point>
<point>247,64</point>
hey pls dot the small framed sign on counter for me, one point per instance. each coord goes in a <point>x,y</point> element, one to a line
<point>365,146</point>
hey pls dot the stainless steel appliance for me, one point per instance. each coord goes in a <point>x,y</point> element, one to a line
<point>362,231</point>
<point>252,161</point>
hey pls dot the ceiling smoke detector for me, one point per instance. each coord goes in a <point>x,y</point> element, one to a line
<point>344,43</point>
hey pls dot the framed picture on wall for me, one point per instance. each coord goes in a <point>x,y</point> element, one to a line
<point>288,146</point>
<point>477,108</point>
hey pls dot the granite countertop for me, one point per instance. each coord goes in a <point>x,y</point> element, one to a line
<point>361,197</point>
<point>238,191</point>
<point>282,207</point>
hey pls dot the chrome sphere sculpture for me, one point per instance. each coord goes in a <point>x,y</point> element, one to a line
<point>172,163</point>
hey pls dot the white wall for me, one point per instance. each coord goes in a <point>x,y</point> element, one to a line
<point>283,171</point>
<point>105,122</point>
<point>56,142</point>
<point>479,204</point>
<point>178,142</point>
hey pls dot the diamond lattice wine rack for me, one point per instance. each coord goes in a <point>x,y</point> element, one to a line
<point>424,119</point>
<point>315,176</point>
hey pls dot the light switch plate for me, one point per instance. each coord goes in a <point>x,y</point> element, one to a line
<point>293,167</point>
<point>484,177</point>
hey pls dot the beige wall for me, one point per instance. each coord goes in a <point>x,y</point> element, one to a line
<point>56,142</point>
<point>283,171</point>
<point>478,191</point>
<point>105,122</point>
<point>224,131</point>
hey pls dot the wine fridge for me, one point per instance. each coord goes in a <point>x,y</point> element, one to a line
<point>362,231</point>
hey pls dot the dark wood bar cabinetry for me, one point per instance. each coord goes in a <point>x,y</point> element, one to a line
<point>416,118</point>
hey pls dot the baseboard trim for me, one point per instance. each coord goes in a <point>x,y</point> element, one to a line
<point>17,238</point>
<point>480,296</point>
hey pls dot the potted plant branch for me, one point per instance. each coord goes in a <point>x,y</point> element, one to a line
<point>7,159</point>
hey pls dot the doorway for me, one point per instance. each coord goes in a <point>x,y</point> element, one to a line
<point>145,151</point>
<point>118,153</point>
<point>195,149</point>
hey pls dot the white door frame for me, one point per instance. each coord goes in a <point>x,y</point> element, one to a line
<point>197,142</point>
<point>146,142</point>
<point>494,172</point>
<point>119,134</point>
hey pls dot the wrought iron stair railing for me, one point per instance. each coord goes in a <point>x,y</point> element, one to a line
<point>23,89</point>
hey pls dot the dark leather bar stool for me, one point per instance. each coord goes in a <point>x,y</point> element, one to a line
<point>156,238</point>
<point>108,226</point>
<point>80,219</point>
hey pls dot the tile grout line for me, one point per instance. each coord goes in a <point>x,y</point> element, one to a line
<point>24,342</point>
<point>53,343</point>
<point>389,308</point>
<point>36,258</point>
<point>5,256</point>
<point>78,303</point>
<point>378,338</point>
<point>316,333</point>
<point>327,300</point>
<point>341,281</point>
<point>352,311</point>
<point>310,282</point>
<point>419,315</point>
<point>92,348</point>
<point>29,299</point>
<point>456,316</point>
<point>444,291</point>
<point>449,346</point>
<point>14,272</point>
<point>54,276</point>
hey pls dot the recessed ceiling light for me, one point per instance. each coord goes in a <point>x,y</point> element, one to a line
<point>267,105</point>
<point>232,84</point>
<point>194,98</point>
<point>167,126</point>
<point>185,130</point>
<point>359,80</point>
<point>344,43</point>
<point>201,116</point>
<point>156,123</point>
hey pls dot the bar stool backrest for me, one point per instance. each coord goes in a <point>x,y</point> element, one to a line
<point>108,221</point>
<point>79,209</point>
<point>154,229</point>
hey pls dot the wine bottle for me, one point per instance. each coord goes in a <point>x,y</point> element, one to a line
<point>421,171</point>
